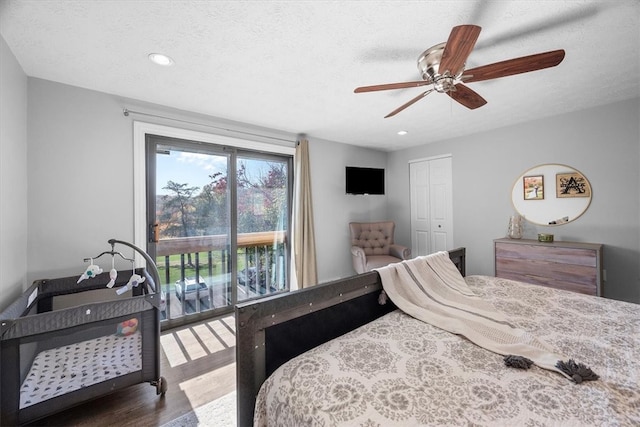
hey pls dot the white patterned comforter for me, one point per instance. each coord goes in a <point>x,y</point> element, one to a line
<point>64,369</point>
<point>399,371</point>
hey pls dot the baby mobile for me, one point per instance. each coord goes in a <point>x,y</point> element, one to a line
<point>93,270</point>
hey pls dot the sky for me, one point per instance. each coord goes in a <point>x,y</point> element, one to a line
<point>195,168</point>
<point>185,167</point>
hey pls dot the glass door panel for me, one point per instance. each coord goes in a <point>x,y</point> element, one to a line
<point>191,229</point>
<point>262,188</point>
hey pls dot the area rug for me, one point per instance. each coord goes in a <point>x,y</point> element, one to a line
<point>219,413</point>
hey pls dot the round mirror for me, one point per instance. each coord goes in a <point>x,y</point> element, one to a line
<point>551,194</point>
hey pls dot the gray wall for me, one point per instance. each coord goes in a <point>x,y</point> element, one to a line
<point>81,181</point>
<point>333,209</point>
<point>13,176</point>
<point>80,157</point>
<point>603,143</point>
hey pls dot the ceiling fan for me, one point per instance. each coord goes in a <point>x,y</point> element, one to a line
<point>442,66</point>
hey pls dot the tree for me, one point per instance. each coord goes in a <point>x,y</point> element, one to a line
<point>212,206</point>
<point>179,206</point>
<point>261,203</point>
<point>274,186</point>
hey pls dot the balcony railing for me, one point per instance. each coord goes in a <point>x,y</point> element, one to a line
<point>261,261</point>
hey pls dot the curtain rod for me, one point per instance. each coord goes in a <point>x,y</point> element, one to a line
<point>126,112</point>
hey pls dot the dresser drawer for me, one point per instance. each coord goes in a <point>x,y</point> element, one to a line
<point>556,254</point>
<point>564,265</point>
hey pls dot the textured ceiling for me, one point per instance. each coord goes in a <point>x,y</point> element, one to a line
<point>292,65</point>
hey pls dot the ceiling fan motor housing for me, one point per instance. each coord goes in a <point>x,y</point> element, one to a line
<point>428,65</point>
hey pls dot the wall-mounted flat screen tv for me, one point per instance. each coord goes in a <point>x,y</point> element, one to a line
<point>364,180</point>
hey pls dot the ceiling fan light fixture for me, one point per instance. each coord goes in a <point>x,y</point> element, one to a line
<point>444,83</point>
<point>160,59</point>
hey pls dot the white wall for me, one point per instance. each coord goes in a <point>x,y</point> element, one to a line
<point>603,143</point>
<point>13,177</point>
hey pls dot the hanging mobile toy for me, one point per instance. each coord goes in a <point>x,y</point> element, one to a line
<point>113,273</point>
<point>134,281</point>
<point>91,272</point>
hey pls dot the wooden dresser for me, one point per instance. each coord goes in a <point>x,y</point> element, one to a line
<point>564,265</point>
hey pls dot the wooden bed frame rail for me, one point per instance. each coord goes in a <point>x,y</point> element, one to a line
<point>273,330</point>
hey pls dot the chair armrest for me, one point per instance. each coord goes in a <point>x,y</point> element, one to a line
<point>359,259</point>
<point>399,251</point>
<point>358,251</point>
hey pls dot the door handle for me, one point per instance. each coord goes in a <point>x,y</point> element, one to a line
<point>153,232</point>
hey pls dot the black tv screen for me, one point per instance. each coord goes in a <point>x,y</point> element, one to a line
<point>364,180</point>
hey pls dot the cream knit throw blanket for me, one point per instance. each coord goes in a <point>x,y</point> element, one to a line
<point>430,288</point>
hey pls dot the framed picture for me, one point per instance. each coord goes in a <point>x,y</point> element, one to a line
<point>533,187</point>
<point>572,184</point>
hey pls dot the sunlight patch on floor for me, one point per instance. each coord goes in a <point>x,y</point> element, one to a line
<point>193,342</point>
<point>208,386</point>
<point>191,345</point>
<point>225,330</point>
<point>212,342</point>
<point>172,350</point>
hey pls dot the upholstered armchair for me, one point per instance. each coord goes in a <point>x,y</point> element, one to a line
<point>372,245</point>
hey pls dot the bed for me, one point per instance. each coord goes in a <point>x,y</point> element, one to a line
<point>388,368</point>
<point>65,341</point>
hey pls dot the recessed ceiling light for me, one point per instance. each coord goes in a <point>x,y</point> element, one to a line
<point>160,59</point>
<point>402,132</point>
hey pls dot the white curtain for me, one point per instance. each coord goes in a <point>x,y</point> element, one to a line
<point>304,246</point>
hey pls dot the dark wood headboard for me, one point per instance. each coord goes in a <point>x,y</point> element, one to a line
<point>273,330</point>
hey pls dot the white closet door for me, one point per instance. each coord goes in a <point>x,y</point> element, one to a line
<point>420,222</point>
<point>431,206</point>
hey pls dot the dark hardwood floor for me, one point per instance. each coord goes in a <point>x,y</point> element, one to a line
<point>198,363</point>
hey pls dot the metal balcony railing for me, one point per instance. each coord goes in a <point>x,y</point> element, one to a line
<point>203,264</point>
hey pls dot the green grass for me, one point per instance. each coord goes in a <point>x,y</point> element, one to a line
<point>189,271</point>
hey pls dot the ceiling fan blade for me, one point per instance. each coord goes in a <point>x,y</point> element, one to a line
<point>460,44</point>
<point>513,66</point>
<point>407,104</point>
<point>389,86</point>
<point>467,97</point>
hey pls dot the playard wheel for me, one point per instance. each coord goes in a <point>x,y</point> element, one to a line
<point>161,385</point>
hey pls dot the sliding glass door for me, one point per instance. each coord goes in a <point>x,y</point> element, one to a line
<point>217,219</point>
<point>262,217</point>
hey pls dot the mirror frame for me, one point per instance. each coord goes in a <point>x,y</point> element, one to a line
<point>549,210</point>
